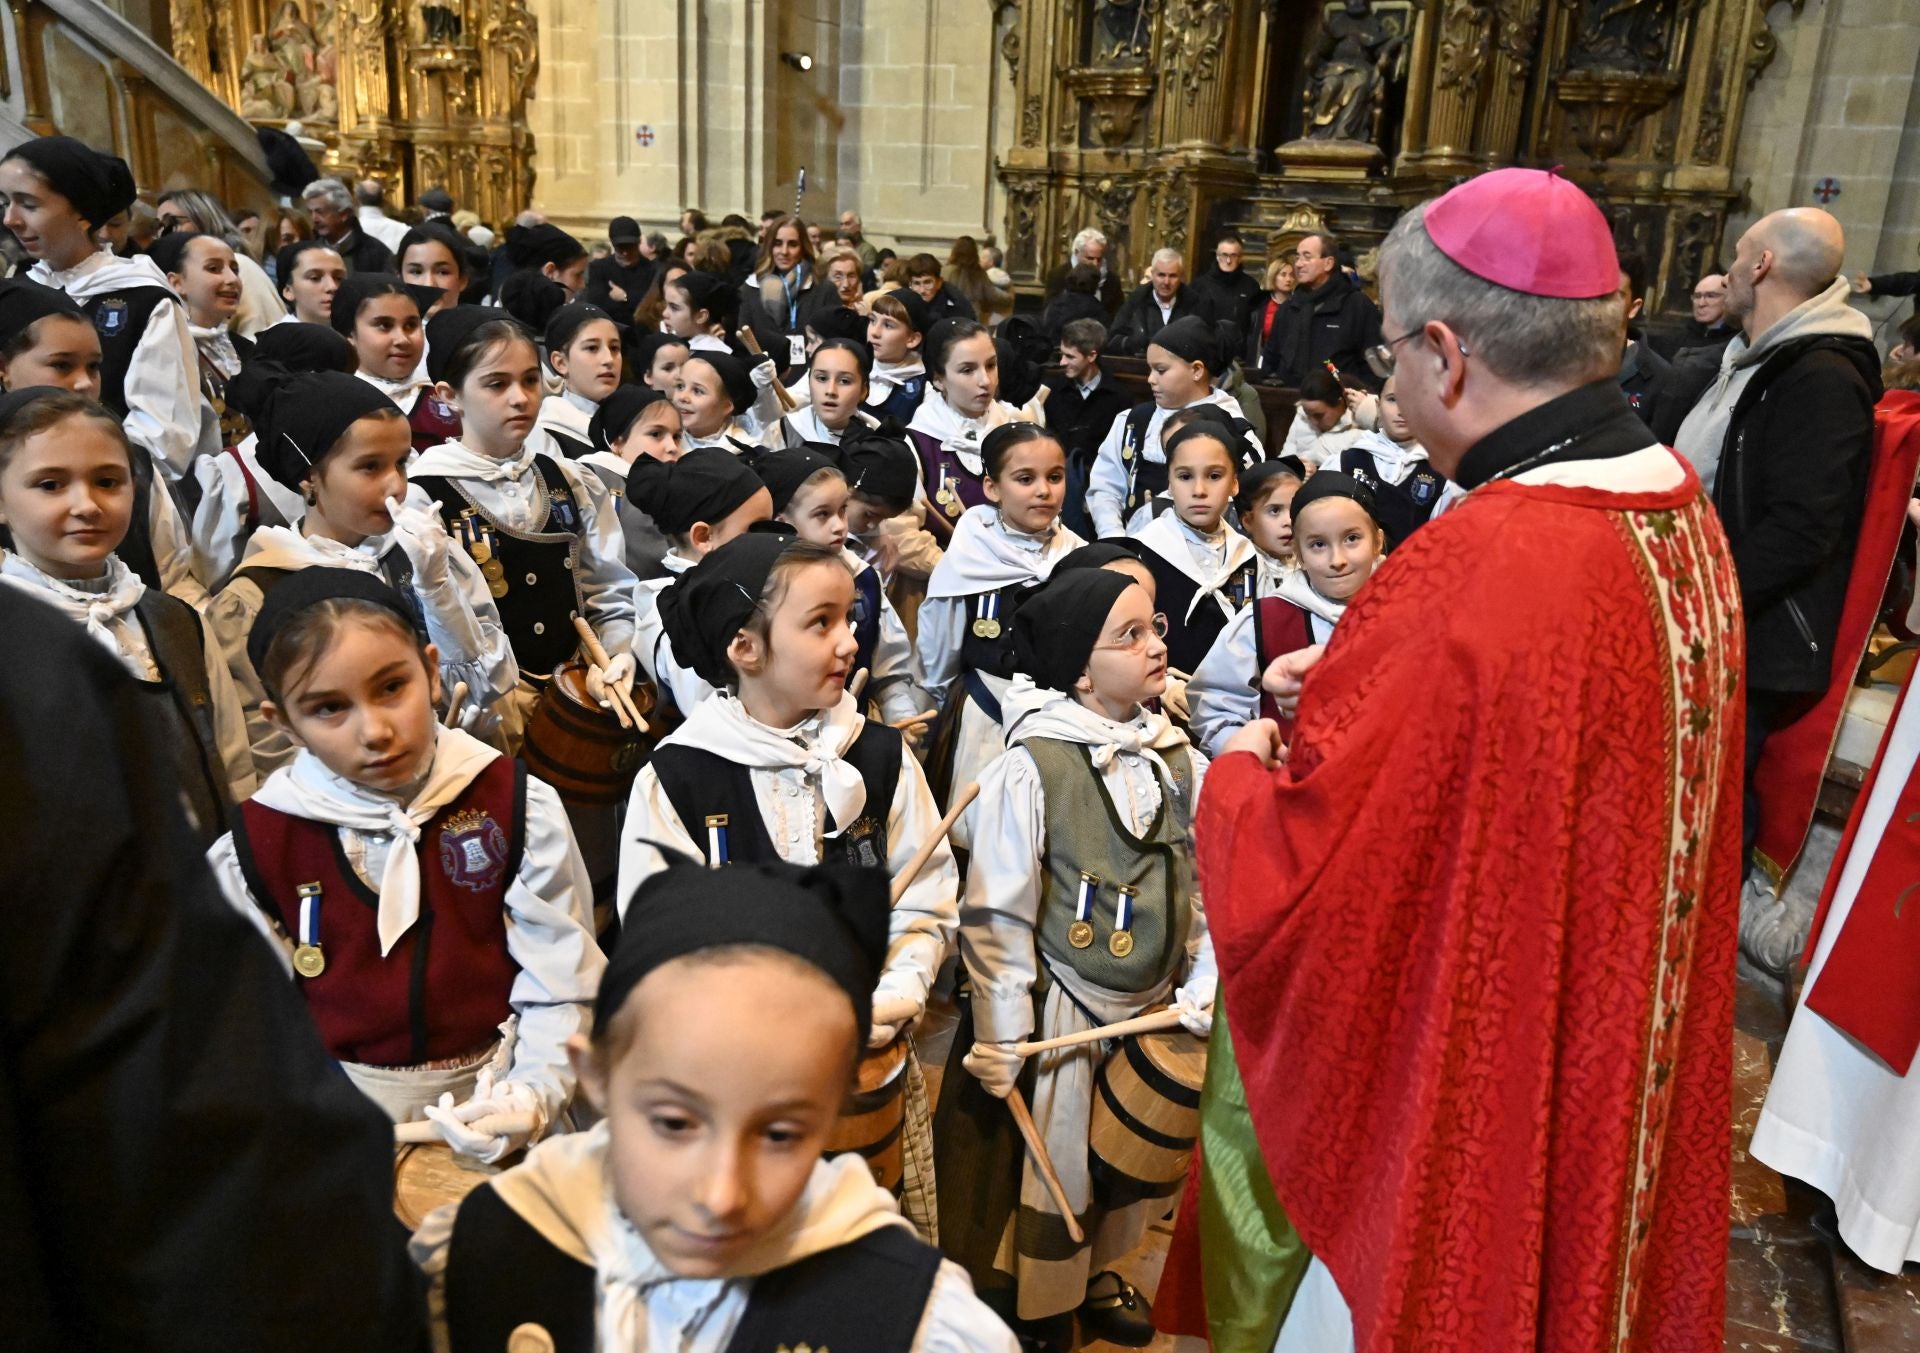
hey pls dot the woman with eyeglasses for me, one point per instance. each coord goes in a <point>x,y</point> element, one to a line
<point>1081,909</point>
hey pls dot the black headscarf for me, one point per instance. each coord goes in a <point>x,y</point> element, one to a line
<point>733,375</point>
<point>705,485</point>
<point>15,400</point>
<point>360,287</point>
<point>300,416</point>
<point>100,186</point>
<point>832,917</point>
<point>305,347</point>
<point>710,603</point>
<point>1239,450</point>
<point>449,330</point>
<point>1333,484</point>
<point>1099,554</point>
<point>536,246</point>
<point>880,465</point>
<point>1251,480</point>
<point>308,587</point>
<point>918,315</point>
<point>24,303</point>
<point>532,298</point>
<point>568,321</point>
<point>617,413</point>
<point>1191,339</point>
<point>1057,625</point>
<point>711,293</point>
<point>840,322</point>
<point>646,348</point>
<point>783,472</point>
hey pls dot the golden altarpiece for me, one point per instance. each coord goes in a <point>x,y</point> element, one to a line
<point>420,94</point>
<point>1164,121</point>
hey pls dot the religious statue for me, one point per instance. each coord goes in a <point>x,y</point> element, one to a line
<point>1352,62</point>
<point>294,40</point>
<point>265,90</point>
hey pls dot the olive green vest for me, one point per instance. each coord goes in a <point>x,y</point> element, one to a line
<point>1086,835</point>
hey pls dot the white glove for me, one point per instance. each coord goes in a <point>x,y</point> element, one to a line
<point>763,373</point>
<point>1194,1002</point>
<point>619,673</point>
<point>1173,700</point>
<point>891,1014</point>
<point>996,1066</point>
<point>421,535</point>
<point>489,1100</point>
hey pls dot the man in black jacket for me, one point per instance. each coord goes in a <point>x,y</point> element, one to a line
<point>1090,246</point>
<point>1162,300</point>
<point>1227,287</point>
<point>625,269</point>
<point>1784,440</point>
<point>1081,411</point>
<point>331,206</point>
<point>1327,319</point>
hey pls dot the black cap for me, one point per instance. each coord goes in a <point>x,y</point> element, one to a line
<point>623,230</point>
<point>705,607</point>
<point>309,587</point>
<point>1058,623</point>
<point>437,200</point>
<point>1333,484</point>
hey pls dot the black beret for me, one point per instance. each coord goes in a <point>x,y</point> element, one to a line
<point>705,485</point>
<point>308,587</point>
<point>1058,623</point>
<point>100,186</point>
<point>1334,484</point>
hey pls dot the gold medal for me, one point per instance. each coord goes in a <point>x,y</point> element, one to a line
<point>497,587</point>
<point>308,961</point>
<point>493,570</point>
<point>1120,943</point>
<point>986,628</point>
<point>1080,935</point>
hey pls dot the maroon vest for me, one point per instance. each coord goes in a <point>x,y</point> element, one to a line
<point>447,985</point>
<point>1279,628</point>
<point>933,460</point>
<point>433,421</point>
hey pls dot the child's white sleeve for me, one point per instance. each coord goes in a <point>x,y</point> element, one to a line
<point>607,585</point>
<point>1219,697</point>
<point>957,1321</point>
<point>549,920</point>
<point>224,859</point>
<point>219,527</point>
<point>173,548</point>
<point>1107,484</point>
<point>1001,906</point>
<point>162,392</point>
<point>650,818</point>
<point>230,614</point>
<point>928,913</point>
<point>943,625</point>
<point>464,624</point>
<point>229,719</point>
<point>896,682</point>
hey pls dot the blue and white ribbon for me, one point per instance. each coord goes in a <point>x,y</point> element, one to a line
<point>717,839</point>
<point>310,914</point>
<point>1083,904</point>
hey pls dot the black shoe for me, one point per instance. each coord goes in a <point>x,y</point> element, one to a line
<point>1121,1316</point>
<point>1054,1334</point>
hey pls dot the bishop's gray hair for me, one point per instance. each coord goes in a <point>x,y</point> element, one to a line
<point>1525,340</point>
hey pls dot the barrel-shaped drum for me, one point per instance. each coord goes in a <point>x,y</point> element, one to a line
<point>428,1176</point>
<point>1146,1114</point>
<point>874,1115</point>
<point>581,749</point>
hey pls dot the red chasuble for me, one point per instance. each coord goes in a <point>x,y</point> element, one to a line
<point>1478,935</point>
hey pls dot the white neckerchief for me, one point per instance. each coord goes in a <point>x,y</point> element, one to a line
<point>609,460</point>
<point>567,411</point>
<point>1394,461</point>
<point>986,555</point>
<point>404,392</point>
<point>1271,572</point>
<point>102,271</point>
<point>457,460</point>
<point>707,343</point>
<point>285,547</point>
<point>890,376</point>
<point>1172,539</point>
<point>1041,712</point>
<point>307,789</point>
<point>563,1191</point>
<point>1298,589</point>
<point>215,343</point>
<point>815,745</point>
<point>806,425</point>
<point>101,604</point>
<point>957,434</point>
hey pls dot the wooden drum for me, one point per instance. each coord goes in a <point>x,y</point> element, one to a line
<point>1146,1115</point>
<point>427,1176</point>
<point>581,749</point>
<point>872,1121</point>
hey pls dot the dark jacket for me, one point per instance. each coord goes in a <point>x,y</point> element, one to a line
<point>1232,294</point>
<point>1083,423</point>
<point>770,327</point>
<point>1790,489</point>
<point>1336,323</point>
<point>363,253</point>
<point>1669,343</point>
<point>950,304</point>
<point>1643,380</point>
<point>1258,330</point>
<point>1139,319</point>
<point>603,274</point>
<point>1069,306</point>
<point>1109,294</point>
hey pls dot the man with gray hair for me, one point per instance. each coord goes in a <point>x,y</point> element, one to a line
<point>1089,247</point>
<point>1475,920</point>
<point>331,206</point>
<point>1161,300</point>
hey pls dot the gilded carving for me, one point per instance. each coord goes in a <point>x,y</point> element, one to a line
<point>1516,30</point>
<point>1030,121</point>
<point>1624,35</point>
<point>1202,25</point>
<point>1713,116</point>
<point>1464,26</point>
<point>1122,30</point>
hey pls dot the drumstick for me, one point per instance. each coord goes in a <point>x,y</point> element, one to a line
<point>1179,675</point>
<point>1150,1023</point>
<point>858,684</point>
<point>928,717</point>
<point>1044,1163</point>
<point>904,879</point>
<point>623,709</point>
<point>422,1132</point>
<point>866,418</point>
<point>752,340</point>
<point>454,701</point>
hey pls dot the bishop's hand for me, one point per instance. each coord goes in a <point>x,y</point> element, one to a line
<point>1287,674</point>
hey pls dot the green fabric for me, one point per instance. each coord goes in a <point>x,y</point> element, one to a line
<point>1252,1259</point>
<point>1084,832</point>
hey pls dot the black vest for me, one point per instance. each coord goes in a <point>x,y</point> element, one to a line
<point>867,1296</point>
<point>702,786</point>
<point>120,318</point>
<point>183,699</point>
<point>536,584</point>
<point>1147,478</point>
<point>1403,506</point>
<point>1189,641</point>
<point>866,618</point>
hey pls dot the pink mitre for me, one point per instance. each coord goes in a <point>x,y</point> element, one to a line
<point>1528,230</point>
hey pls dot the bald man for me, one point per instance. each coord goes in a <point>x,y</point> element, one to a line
<point>1783,437</point>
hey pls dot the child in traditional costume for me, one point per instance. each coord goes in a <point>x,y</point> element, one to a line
<point>1203,567</point>
<point>582,346</point>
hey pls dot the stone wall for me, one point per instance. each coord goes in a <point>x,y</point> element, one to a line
<point>900,116</point>
<point>1839,100</point>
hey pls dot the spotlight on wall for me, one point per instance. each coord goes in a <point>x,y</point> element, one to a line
<point>798,60</point>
